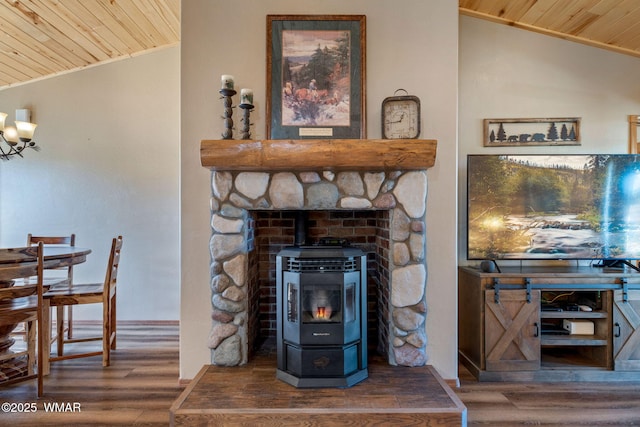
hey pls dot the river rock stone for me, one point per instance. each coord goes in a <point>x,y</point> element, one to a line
<point>407,285</point>
<point>219,283</point>
<point>226,226</point>
<point>286,192</point>
<point>400,254</point>
<point>229,352</point>
<point>236,268</point>
<point>385,201</point>
<point>220,332</point>
<point>416,243</point>
<point>373,181</point>
<point>355,203</point>
<point>407,319</point>
<point>309,177</point>
<point>408,355</point>
<point>400,224</point>
<point>221,316</point>
<point>350,183</point>
<point>224,304</point>
<point>225,245</point>
<point>323,195</point>
<point>221,182</point>
<point>233,293</point>
<point>252,184</point>
<point>411,192</point>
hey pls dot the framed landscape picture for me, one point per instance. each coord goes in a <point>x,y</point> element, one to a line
<point>316,77</point>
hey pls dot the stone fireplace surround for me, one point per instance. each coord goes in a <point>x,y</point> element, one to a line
<point>263,184</point>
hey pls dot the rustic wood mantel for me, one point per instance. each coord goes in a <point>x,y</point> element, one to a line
<point>324,154</point>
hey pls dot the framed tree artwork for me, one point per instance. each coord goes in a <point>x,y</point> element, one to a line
<point>531,132</point>
<point>316,77</point>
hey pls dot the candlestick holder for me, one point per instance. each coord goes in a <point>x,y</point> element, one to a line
<point>246,123</point>
<point>228,112</point>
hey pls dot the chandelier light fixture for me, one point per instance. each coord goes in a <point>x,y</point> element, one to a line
<point>13,140</point>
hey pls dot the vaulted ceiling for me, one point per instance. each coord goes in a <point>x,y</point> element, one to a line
<point>608,24</point>
<point>42,38</point>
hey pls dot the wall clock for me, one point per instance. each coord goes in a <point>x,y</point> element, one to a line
<point>401,116</point>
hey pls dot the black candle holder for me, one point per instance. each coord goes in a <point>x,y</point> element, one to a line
<point>246,123</point>
<point>228,112</point>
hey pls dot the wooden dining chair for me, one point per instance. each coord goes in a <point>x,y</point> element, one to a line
<point>90,293</point>
<point>23,303</point>
<point>57,275</point>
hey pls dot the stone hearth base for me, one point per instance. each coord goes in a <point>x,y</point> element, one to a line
<point>250,395</point>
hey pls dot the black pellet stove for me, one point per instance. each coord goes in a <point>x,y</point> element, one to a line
<point>321,315</point>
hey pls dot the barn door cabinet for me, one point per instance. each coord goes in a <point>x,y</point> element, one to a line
<point>512,324</point>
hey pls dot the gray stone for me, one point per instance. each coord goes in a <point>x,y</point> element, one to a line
<point>252,184</point>
<point>220,332</point>
<point>229,352</point>
<point>400,254</point>
<point>407,285</point>
<point>214,204</point>
<point>226,226</point>
<point>416,243</point>
<point>227,305</point>
<point>219,283</point>
<point>407,319</point>
<point>221,182</point>
<point>354,203</point>
<point>411,192</point>
<point>350,183</point>
<point>373,181</point>
<point>400,225</point>
<point>231,211</point>
<point>323,195</point>
<point>240,201</point>
<point>408,355</point>
<point>236,268</point>
<point>309,177</point>
<point>286,192</point>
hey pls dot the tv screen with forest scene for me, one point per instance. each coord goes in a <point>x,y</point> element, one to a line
<point>553,207</point>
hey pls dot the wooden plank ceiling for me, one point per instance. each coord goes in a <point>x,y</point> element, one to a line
<point>41,38</point>
<point>608,24</point>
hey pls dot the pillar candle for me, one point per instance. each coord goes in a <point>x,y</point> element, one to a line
<point>227,81</point>
<point>246,96</point>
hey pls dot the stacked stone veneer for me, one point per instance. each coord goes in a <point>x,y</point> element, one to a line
<point>236,194</point>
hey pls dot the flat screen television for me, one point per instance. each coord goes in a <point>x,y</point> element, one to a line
<point>554,207</point>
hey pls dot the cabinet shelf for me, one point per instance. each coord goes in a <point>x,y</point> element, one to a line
<point>573,315</point>
<point>573,340</point>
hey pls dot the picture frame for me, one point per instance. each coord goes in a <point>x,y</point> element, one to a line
<point>316,70</point>
<point>531,132</point>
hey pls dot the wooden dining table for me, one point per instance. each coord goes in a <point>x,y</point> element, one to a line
<point>18,263</point>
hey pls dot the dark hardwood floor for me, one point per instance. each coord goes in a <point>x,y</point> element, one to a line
<point>142,383</point>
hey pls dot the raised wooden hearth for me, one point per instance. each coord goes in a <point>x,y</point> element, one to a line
<point>250,395</point>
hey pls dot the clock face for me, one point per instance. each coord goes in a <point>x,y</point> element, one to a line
<point>401,117</point>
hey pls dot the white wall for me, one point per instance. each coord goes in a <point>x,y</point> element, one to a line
<point>511,73</point>
<point>411,44</point>
<point>108,165</point>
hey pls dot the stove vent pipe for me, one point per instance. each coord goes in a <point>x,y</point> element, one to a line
<point>300,228</point>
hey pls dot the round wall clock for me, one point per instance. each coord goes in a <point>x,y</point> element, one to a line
<point>401,116</point>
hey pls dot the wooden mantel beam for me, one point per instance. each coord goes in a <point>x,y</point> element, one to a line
<point>323,154</point>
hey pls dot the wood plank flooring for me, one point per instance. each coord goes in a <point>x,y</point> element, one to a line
<point>142,384</point>
<point>137,389</point>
